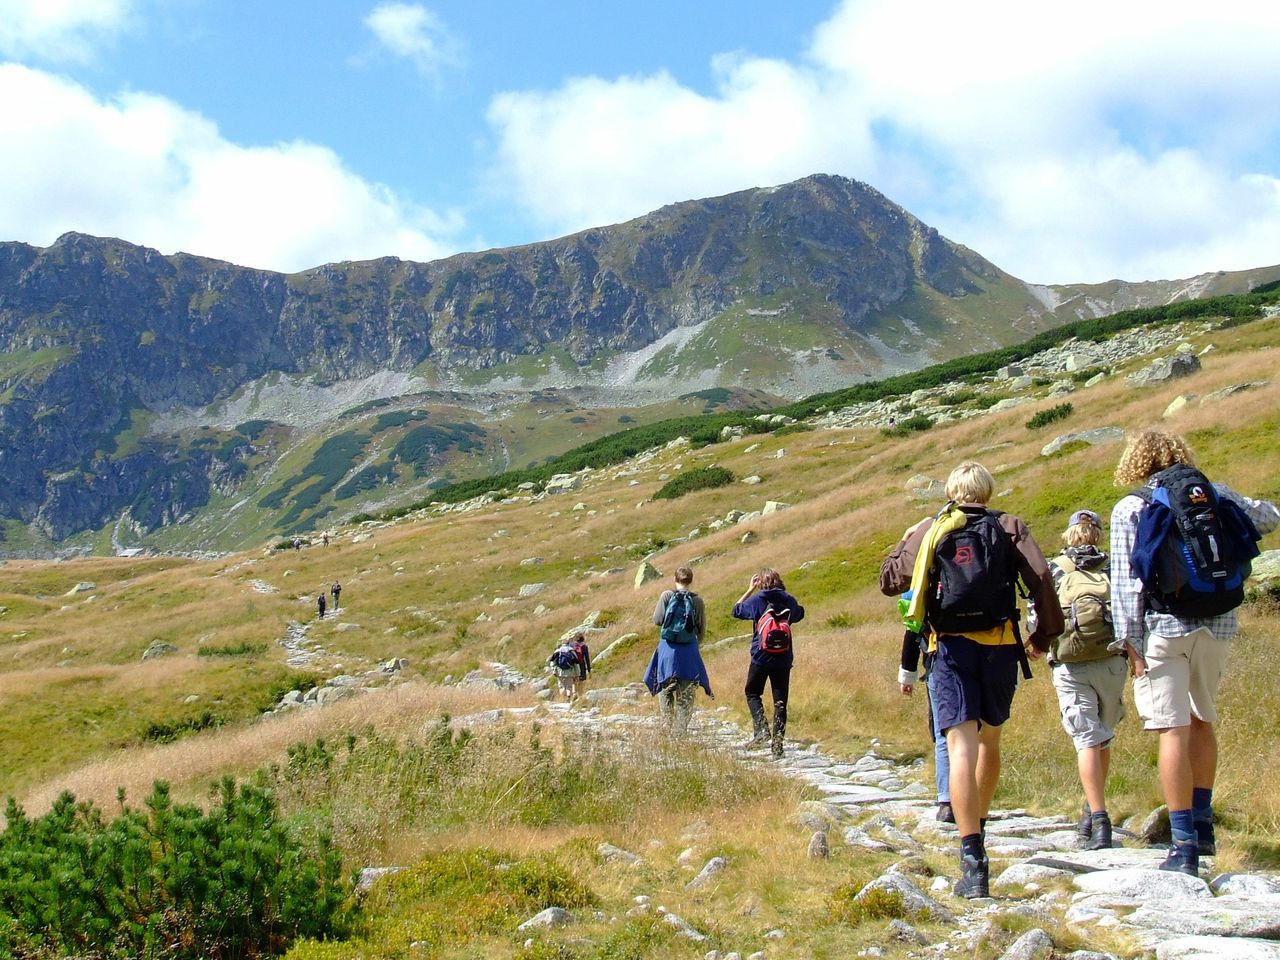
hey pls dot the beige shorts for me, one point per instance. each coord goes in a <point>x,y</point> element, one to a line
<point>1091,699</point>
<point>1181,679</point>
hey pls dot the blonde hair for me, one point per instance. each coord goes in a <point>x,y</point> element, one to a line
<point>1082,534</point>
<point>770,579</point>
<point>1148,453</point>
<point>684,575</point>
<point>970,482</point>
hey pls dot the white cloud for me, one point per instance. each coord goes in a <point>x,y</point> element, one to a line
<point>61,30</point>
<point>144,169</point>
<point>414,32</point>
<point>1066,144</point>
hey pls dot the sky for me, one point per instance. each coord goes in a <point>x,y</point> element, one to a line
<point>1065,143</point>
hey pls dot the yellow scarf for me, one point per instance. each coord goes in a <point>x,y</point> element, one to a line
<point>951,518</point>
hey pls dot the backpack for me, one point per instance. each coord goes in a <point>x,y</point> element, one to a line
<point>1192,549</point>
<point>971,583</point>
<point>774,630</point>
<point>565,658</point>
<point>1085,596</point>
<point>679,626</point>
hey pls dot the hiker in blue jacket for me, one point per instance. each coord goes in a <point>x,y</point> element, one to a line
<point>1177,659</point>
<point>766,593</point>
<point>676,669</point>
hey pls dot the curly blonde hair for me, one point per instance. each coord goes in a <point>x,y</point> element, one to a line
<point>1150,452</point>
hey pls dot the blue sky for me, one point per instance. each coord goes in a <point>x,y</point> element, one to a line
<point>1066,144</point>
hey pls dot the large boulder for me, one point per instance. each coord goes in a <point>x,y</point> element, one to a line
<point>1181,364</point>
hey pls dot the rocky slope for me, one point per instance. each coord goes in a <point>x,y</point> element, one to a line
<point>136,389</point>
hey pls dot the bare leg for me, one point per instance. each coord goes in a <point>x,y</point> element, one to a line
<point>1175,767</point>
<point>988,772</point>
<point>962,751</point>
<point>1093,763</point>
<point>1204,753</point>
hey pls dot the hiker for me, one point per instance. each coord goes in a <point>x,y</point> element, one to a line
<point>961,567</point>
<point>324,538</point>
<point>771,611</point>
<point>297,543</point>
<point>320,605</point>
<point>908,673</point>
<point>579,644</point>
<point>1089,668</point>
<point>336,591</point>
<point>676,668</point>
<point>1175,624</point>
<point>566,665</point>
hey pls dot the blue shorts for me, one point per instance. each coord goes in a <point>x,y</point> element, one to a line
<point>973,681</point>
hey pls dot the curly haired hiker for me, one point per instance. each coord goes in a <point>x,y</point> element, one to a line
<point>676,668</point>
<point>1180,549</point>
<point>962,567</point>
<point>909,664</point>
<point>768,606</point>
<point>1089,668</point>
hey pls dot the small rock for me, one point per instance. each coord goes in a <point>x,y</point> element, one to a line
<point>548,918</point>
<point>818,848</point>
<point>158,648</point>
<point>713,867</point>
<point>1033,945</point>
<point>612,854</point>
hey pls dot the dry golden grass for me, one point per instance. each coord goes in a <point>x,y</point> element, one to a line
<point>850,505</point>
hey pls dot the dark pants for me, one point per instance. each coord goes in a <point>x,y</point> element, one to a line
<point>779,678</point>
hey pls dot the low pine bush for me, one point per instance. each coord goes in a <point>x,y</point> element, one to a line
<point>704,478</point>
<point>1052,415</point>
<point>170,880</point>
<point>904,428</point>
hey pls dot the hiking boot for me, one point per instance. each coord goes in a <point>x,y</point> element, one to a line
<point>1101,838</point>
<point>945,814</point>
<point>1206,842</point>
<point>759,726</point>
<point>974,878</point>
<point>779,728</point>
<point>1084,827</point>
<point>1183,858</point>
<point>776,747</point>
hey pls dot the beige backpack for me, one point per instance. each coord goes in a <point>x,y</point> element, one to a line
<point>1085,596</point>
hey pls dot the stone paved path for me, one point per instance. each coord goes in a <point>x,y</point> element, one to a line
<point>873,802</point>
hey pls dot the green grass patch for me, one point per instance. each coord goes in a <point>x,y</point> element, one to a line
<point>1052,415</point>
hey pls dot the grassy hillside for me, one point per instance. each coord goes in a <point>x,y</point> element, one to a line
<point>83,712</point>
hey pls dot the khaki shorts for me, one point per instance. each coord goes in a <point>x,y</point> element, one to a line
<point>1091,699</point>
<point>1181,679</point>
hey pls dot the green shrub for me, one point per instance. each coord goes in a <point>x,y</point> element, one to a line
<point>167,731</point>
<point>791,428</point>
<point>957,397</point>
<point>1045,417</point>
<point>703,478</point>
<point>843,906</point>
<point>169,881</point>
<point>904,428</point>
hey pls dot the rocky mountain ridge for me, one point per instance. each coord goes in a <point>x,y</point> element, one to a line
<point>136,388</point>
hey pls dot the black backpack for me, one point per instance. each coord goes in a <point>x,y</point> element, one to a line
<point>971,582</point>
<point>1192,550</point>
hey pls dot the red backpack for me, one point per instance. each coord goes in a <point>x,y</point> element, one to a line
<point>774,630</point>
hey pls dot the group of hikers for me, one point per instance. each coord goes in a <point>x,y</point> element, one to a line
<point>1159,607</point>
<point>335,590</point>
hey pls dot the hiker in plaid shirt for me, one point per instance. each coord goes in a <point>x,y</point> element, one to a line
<point>1176,661</point>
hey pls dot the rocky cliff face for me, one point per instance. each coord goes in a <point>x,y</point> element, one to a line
<point>98,337</point>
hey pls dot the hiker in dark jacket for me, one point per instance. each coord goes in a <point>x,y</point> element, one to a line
<point>909,663</point>
<point>1176,661</point>
<point>580,647</point>
<point>336,592</point>
<point>676,670</point>
<point>320,605</point>
<point>765,592</point>
<point>975,671</point>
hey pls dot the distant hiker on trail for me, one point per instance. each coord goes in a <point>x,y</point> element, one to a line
<point>908,671</point>
<point>1180,551</point>
<point>320,605</point>
<point>297,543</point>
<point>565,663</point>
<point>579,644</point>
<point>1089,668</point>
<point>961,567</point>
<point>676,668</point>
<point>324,538</point>
<point>336,592</point>
<point>771,611</point>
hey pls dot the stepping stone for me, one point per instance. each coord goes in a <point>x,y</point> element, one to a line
<point>1216,948</point>
<point>1143,884</point>
<point>1227,916</point>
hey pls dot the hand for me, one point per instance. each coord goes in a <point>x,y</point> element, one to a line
<point>755,581</point>
<point>1137,663</point>
<point>906,689</point>
<point>1033,652</point>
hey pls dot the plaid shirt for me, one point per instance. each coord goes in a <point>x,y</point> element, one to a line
<point>1133,621</point>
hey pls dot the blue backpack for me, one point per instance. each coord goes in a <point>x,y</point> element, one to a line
<point>1192,549</point>
<point>679,626</point>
